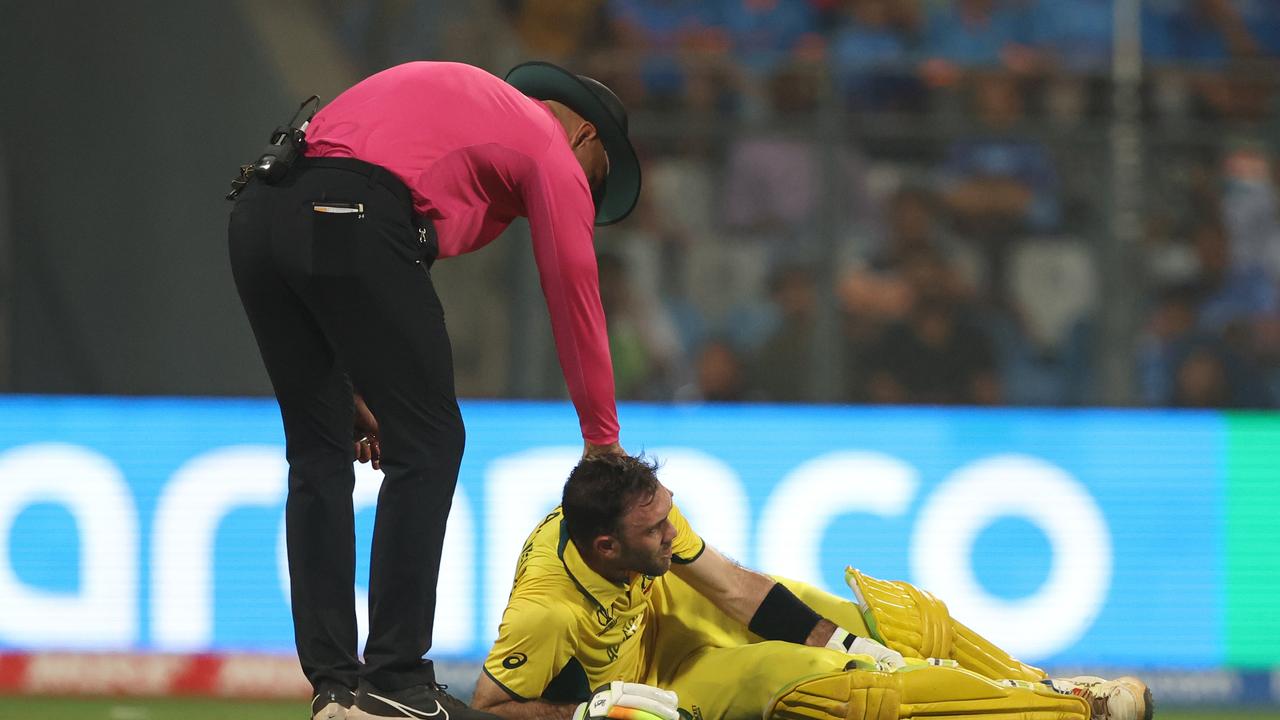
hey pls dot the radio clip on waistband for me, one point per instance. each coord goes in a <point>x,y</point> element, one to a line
<point>286,144</point>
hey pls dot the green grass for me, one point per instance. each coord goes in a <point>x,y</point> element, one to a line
<point>28,708</point>
<point>1223,714</point>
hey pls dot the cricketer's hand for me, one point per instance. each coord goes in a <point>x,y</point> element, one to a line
<point>629,701</point>
<point>886,659</point>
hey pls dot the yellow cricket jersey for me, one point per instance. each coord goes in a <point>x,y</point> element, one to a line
<point>566,629</point>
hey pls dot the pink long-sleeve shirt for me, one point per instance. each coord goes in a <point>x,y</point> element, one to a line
<point>476,153</point>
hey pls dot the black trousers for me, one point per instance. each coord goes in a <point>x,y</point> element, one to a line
<point>336,299</point>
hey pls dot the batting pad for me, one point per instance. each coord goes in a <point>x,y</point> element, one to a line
<point>946,693</point>
<point>917,624</point>
<point>925,692</point>
<point>855,695</point>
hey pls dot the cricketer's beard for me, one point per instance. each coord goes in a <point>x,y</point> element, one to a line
<point>652,564</point>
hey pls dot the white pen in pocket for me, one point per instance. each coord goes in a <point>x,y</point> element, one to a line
<point>339,208</point>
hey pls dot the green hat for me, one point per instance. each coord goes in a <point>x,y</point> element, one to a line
<point>600,107</point>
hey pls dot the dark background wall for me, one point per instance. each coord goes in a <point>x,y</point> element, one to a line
<point>122,125</point>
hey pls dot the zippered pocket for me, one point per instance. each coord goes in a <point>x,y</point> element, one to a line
<point>335,226</point>
<point>339,208</point>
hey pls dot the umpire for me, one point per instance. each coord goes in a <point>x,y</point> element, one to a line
<point>420,162</point>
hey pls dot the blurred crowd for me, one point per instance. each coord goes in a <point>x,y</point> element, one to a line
<point>911,201</point>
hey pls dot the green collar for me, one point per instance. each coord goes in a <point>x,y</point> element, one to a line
<point>603,593</point>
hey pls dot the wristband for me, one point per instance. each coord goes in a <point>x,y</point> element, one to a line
<point>841,640</point>
<point>783,616</point>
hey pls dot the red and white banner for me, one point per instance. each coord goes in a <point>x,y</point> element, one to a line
<point>222,675</point>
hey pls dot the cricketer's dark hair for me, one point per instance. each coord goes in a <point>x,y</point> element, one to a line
<point>601,489</point>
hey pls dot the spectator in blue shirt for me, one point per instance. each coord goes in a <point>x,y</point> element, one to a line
<point>962,34</point>
<point>871,52</point>
<point>661,32</point>
<point>764,34</point>
<point>1262,18</point>
<point>1076,36</point>
<point>1205,32</point>
<point>1232,293</point>
<point>1209,32</point>
<point>1073,43</point>
<point>994,180</point>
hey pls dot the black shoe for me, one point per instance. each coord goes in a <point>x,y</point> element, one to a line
<point>332,703</point>
<point>417,702</point>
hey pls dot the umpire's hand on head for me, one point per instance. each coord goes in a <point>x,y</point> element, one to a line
<point>590,450</point>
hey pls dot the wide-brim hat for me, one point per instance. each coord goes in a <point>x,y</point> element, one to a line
<point>599,106</point>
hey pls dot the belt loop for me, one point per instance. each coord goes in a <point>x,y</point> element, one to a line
<point>428,242</point>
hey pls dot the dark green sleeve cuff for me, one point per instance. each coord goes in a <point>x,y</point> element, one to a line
<point>514,695</point>
<point>685,561</point>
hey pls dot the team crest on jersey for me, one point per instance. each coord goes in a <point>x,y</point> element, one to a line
<point>604,618</point>
<point>630,628</point>
<point>687,715</point>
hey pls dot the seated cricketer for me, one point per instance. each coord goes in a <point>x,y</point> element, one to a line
<point>594,606</point>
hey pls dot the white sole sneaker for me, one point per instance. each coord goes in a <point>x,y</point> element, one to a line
<point>1125,698</point>
<point>332,711</point>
